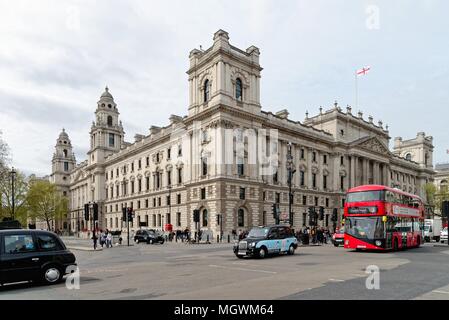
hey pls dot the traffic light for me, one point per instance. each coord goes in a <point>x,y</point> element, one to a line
<point>86,212</point>
<point>130,215</point>
<point>95,206</point>
<point>276,212</point>
<point>196,215</point>
<point>334,215</point>
<point>321,216</point>
<point>445,209</point>
<point>124,214</point>
<point>312,216</point>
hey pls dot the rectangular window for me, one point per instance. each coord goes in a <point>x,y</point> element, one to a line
<point>179,151</point>
<point>148,161</point>
<point>324,182</point>
<point>314,180</point>
<point>132,186</point>
<point>242,193</point>
<point>159,201</point>
<point>139,184</point>
<point>302,153</point>
<point>139,164</point>
<point>154,220</point>
<point>342,160</point>
<point>240,169</point>
<point>111,140</point>
<point>117,172</point>
<point>179,198</point>
<point>275,177</point>
<point>146,203</point>
<point>132,166</point>
<point>327,202</point>
<point>203,193</point>
<point>66,166</point>
<point>316,201</point>
<point>277,197</point>
<point>302,175</point>
<point>314,156</point>
<point>179,175</point>
<point>178,219</point>
<point>304,200</point>
<point>168,218</point>
<point>342,182</point>
<point>325,159</point>
<point>138,204</point>
<point>168,153</point>
<point>168,200</point>
<point>154,202</point>
<point>18,244</point>
<point>169,178</point>
<point>204,166</point>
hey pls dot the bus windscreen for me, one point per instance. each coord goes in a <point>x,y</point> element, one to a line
<point>378,195</point>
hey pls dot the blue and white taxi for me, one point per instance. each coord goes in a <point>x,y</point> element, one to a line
<point>263,241</point>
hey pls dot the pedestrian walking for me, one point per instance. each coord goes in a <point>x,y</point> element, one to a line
<point>95,239</point>
<point>109,240</point>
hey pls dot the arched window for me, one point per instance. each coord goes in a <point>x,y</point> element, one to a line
<point>204,218</point>
<point>443,186</point>
<point>408,156</point>
<point>110,121</point>
<point>65,153</point>
<point>206,90</point>
<point>241,218</point>
<point>238,89</point>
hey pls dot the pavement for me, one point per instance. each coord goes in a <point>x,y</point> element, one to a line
<point>187,271</point>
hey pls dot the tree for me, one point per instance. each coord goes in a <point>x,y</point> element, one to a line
<point>45,202</point>
<point>20,194</point>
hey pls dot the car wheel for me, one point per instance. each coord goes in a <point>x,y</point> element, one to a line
<point>437,239</point>
<point>239,256</point>
<point>161,241</point>
<point>150,241</point>
<point>52,274</point>
<point>335,244</point>
<point>291,250</point>
<point>262,253</point>
<point>136,240</point>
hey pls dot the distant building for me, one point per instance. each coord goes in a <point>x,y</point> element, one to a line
<point>193,163</point>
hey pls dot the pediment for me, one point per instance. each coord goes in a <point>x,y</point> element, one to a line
<point>373,144</point>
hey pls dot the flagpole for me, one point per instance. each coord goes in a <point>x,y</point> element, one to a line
<point>356,91</point>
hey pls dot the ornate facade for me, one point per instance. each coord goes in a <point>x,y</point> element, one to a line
<point>194,163</point>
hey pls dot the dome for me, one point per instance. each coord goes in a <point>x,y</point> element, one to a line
<point>106,94</point>
<point>63,134</point>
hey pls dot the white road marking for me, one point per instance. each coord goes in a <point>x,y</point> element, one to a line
<point>336,280</point>
<point>241,269</point>
<point>439,291</point>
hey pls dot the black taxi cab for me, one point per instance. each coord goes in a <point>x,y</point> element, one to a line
<point>33,255</point>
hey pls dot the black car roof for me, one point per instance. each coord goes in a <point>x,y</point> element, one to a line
<point>25,231</point>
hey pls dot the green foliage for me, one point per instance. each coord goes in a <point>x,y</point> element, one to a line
<point>20,195</point>
<point>45,202</point>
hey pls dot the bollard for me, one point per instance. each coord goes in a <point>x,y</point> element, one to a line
<point>218,238</point>
<point>229,238</point>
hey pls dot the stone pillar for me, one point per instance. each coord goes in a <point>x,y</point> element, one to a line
<point>352,175</point>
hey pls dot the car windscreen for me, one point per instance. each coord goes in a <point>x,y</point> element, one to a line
<point>378,195</point>
<point>258,232</point>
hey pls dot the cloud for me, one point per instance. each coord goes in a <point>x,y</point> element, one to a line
<point>56,57</point>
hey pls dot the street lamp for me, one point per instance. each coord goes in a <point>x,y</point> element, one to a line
<point>13,174</point>
<point>291,171</point>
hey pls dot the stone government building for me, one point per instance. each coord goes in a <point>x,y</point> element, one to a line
<point>332,151</point>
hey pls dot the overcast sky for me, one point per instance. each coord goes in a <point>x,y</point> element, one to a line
<point>56,57</point>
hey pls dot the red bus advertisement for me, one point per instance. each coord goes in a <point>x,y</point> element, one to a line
<point>381,218</point>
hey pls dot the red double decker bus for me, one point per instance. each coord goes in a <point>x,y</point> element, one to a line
<point>381,218</point>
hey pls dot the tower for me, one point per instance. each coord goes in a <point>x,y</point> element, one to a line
<point>106,134</point>
<point>224,75</point>
<point>63,162</point>
<point>419,149</point>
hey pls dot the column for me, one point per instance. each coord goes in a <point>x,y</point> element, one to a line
<point>376,176</point>
<point>352,173</point>
<point>365,165</point>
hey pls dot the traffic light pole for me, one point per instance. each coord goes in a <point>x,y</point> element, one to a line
<point>127,224</point>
